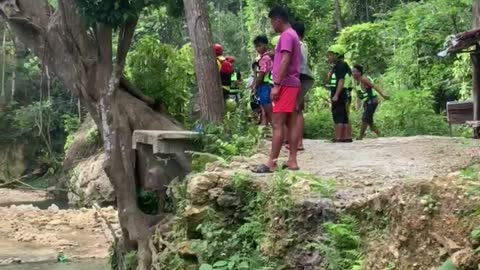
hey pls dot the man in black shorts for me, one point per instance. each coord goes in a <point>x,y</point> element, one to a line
<point>339,80</point>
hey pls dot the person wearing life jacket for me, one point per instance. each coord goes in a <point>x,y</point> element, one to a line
<point>236,80</point>
<point>263,83</point>
<point>257,110</point>
<point>339,81</point>
<point>225,69</point>
<point>364,88</point>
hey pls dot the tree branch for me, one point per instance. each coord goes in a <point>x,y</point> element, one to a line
<point>125,41</point>
<point>130,88</point>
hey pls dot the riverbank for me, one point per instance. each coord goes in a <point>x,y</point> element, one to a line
<point>30,234</point>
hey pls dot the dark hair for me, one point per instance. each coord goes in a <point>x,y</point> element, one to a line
<point>299,27</point>
<point>260,40</point>
<point>278,13</point>
<point>359,68</point>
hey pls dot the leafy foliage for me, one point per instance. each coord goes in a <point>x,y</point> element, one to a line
<point>342,246</point>
<point>365,46</point>
<point>117,12</point>
<point>410,113</point>
<point>163,73</point>
<point>238,135</point>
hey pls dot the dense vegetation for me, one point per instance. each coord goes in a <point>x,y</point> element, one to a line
<point>396,41</point>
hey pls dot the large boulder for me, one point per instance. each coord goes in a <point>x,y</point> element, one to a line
<point>13,162</point>
<point>89,183</point>
<point>84,145</point>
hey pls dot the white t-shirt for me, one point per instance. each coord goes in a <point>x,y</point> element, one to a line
<point>304,69</point>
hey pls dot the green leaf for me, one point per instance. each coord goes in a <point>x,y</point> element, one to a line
<point>448,265</point>
<point>205,267</point>
<point>220,264</point>
<point>243,265</point>
<point>475,235</point>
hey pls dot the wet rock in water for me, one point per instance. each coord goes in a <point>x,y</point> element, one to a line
<point>10,261</point>
<point>53,208</point>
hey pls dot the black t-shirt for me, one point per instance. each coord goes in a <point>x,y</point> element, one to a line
<point>342,72</point>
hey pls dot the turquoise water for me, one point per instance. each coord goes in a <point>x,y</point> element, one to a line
<point>84,265</point>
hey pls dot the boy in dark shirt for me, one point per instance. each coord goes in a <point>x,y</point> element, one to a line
<point>339,81</point>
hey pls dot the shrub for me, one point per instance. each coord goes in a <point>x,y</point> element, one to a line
<point>164,73</point>
<point>410,113</point>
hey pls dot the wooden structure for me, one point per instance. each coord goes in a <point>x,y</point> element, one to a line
<point>459,113</point>
<point>467,42</point>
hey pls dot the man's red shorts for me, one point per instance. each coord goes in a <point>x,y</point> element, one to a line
<point>287,100</point>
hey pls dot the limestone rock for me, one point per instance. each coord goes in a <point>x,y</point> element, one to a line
<point>215,193</point>
<point>199,186</point>
<point>228,200</point>
<point>185,251</point>
<point>193,217</point>
<point>90,181</point>
<point>13,161</point>
<point>466,259</point>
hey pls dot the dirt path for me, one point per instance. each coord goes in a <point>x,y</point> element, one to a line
<point>373,165</point>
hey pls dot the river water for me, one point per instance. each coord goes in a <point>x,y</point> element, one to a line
<point>82,265</point>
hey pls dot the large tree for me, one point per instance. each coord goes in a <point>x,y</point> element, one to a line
<point>75,41</point>
<point>211,102</point>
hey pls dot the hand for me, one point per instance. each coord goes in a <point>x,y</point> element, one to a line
<point>274,95</point>
<point>335,99</point>
<point>254,88</point>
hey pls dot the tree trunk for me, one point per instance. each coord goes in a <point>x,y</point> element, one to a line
<point>82,59</point>
<point>338,15</point>
<point>475,56</point>
<point>4,56</point>
<point>208,79</point>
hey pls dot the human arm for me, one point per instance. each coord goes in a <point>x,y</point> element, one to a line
<point>258,80</point>
<point>286,57</point>
<point>341,83</point>
<point>370,84</point>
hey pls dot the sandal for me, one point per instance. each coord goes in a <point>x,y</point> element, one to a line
<point>285,167</point>
<point>262,169</point>
<point>287,146</point>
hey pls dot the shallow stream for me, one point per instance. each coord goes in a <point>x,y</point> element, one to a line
<point>82,265</point>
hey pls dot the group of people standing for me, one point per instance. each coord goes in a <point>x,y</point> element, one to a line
<point>282,79</point>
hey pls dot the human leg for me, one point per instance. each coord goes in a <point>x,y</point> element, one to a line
<point>348,127</point>
<point>293,138</point>
<point>363,129</point>
<point>367,118</point>
<point>301,125</point>
<point>268,113</point>
<point>278,122</point>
